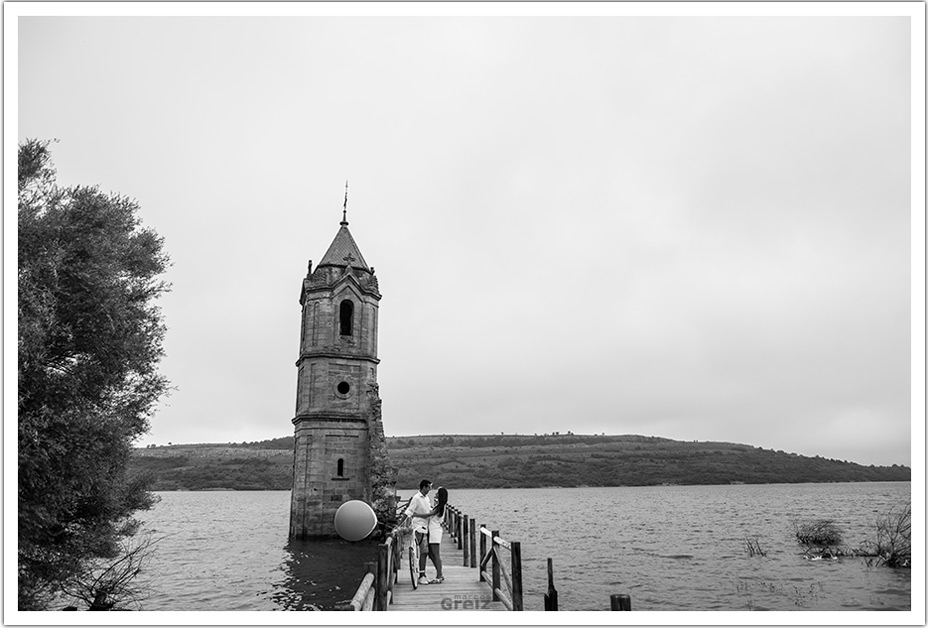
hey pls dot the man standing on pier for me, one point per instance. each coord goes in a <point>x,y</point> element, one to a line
<point>419,505</point>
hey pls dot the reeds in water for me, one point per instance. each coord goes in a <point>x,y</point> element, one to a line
<point>754,548</point>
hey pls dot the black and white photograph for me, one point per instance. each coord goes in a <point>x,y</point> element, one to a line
<point>432,308</point>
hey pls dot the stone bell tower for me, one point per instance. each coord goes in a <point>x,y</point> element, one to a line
<point>337,400</point>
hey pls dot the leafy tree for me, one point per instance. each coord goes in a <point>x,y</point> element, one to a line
<point>90,338</point>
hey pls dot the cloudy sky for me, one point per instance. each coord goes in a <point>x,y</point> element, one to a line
<point>690,227</point>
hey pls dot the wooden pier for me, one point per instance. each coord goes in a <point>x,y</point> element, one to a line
<point>486,580</point>
<point>461,590</point>
<point>482,570</point>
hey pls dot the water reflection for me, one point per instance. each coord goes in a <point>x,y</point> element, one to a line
<point>318,574</point>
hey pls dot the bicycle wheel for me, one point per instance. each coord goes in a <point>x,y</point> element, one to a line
<point>414,566</point>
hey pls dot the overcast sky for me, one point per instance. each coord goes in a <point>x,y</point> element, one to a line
<point>688,227</point>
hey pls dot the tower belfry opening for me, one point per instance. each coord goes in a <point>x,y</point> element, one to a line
<point>345,317</point>
<point>337,400</point>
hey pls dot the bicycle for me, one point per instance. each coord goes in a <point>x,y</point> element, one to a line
<point>404,536</point>
<point>414,561</point>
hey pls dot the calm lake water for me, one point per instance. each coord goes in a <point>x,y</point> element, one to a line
<point>669,547</point>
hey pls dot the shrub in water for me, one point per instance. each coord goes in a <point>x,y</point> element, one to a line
<point>893,546</point>
<point>822,532</point>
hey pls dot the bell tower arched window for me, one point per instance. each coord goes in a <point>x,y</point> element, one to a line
<point>340,468</point>
<point>345,317</point>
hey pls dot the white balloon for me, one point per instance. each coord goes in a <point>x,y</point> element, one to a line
<point>354,520</point>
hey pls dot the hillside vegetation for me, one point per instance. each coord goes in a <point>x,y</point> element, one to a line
<point>202,467</point>
<point>509,461</point>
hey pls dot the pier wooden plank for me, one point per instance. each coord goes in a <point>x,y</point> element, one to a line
<point>461,590</point>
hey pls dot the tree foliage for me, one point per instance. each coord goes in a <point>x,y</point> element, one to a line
<point>90,337</point>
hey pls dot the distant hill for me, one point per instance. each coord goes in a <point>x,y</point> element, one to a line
<point>201,467</point>
<point>509,461</point>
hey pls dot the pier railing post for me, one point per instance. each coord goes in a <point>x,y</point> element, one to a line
<point>551,595</point>
<point>381,578</point>
<point>457,527</point>
<point>516,555</point>
<point>494,547</point>
<point>391,567</point>
<point>472,527</point>
<point>483,551</point>
<point>464,539</point>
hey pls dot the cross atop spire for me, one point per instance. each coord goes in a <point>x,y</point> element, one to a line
<point>345,206</point>
<point>344,251</point>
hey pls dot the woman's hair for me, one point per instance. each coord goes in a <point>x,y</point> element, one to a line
<point>442,500</point>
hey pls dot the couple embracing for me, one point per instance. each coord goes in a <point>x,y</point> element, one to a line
<point>427,520</point>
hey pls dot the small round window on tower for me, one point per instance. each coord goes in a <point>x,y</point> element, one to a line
<point>343,388</point>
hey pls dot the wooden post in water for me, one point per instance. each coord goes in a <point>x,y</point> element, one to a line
<point>551,595</point>
<point>620,602</point>
<point>483,551</point>
<point>381,581</point>
<point>516,555</point>
<point>494,547</point>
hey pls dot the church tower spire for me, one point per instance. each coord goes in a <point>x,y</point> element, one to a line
<point>344,221</point>
<point>337,398</point>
